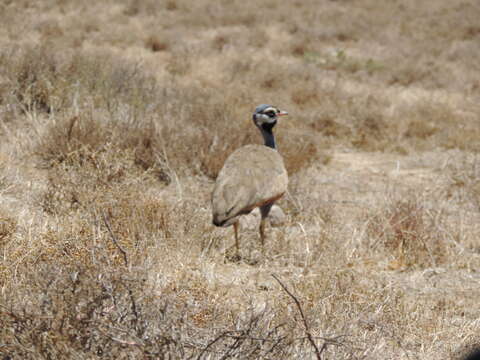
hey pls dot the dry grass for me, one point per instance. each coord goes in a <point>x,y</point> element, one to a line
<point>411,233</point>
<point>116,117</point>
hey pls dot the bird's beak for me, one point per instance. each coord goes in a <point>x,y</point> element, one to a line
<point>282,113</point>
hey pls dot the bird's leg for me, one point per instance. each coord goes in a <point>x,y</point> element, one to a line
<point>237,246</point>
<point>262,233</point>
<point>264,210</point>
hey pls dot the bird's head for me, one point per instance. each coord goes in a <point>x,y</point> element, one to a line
<point>266,116</point>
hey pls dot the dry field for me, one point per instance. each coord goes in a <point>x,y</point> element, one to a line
<point>116,116</point>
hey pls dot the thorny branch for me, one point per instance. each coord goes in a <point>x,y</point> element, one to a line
<point>205,349</point>
<point>318,351</point>
<point>125,260</point>
<point>114,238</point>
<point>240,337</point>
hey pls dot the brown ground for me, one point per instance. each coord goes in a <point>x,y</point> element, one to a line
<point>115,118</point>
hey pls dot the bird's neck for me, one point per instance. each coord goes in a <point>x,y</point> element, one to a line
<point>267,132</point>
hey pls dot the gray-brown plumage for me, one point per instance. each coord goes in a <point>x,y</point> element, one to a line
<point>252,176</point>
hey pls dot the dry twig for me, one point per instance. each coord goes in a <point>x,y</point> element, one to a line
<point>114,238</point>
<point>125,260</point>
<point>318,352</point>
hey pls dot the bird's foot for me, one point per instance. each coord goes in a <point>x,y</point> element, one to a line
<point>233,255</point>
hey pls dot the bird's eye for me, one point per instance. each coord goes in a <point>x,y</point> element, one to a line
<point>271,113</point>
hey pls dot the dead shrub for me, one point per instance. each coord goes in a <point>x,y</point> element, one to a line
<point>88,179</point>
<point>410,233</point>
<point>220,41</point>
<point>216,136</point>
<point>78,314</point>
<point>130,114</point>
<point>355,121</point>
<point>463,175</point>
<point>428,118</point>
<point>371,132</point>
<point>75,312</point>
<point>180,64</point>
<point>148,7</point>
<point>64,137</point>
<point>257,37</point>
<point>155,44</point>
<point>300,48</point>
<point>135,221</point>
<point>171,5</point>
<point>271,77</point>
<point>424,71</point>
<point>42,79</point>
<point>148,156</point>
<point>97,219</point>
<point>299,153</point>
<point>32,75</point>
<point>305,96</point>
<point>437,122</point>
<point>328,126</point>
<point>8,226</point>
<point>420,129</point>
<point>82,140</point>
<point>50,29</point>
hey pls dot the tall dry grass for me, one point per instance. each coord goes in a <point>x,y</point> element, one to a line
<point>115,118</point>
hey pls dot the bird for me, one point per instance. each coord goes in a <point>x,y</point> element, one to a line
<point>253,176</point>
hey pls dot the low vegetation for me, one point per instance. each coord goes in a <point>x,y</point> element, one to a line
<point>115,119</point>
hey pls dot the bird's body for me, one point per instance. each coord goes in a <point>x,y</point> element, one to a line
<point>252,176</point>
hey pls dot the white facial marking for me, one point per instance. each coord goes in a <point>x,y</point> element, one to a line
<point>269,115</point>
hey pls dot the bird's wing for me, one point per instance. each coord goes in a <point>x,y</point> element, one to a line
<point>252,176</point>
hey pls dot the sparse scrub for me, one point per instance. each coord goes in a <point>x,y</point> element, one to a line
<point>7,227</point>
<point>155,44</point>
<point>75,142</point>
<point>77,314</point>
<point>30,75</point>
<point>40,80</point>
<point>464,179</point>
<point>371,132</point>
<point>116,116</point>
<point>439,123</point>
<point>409,233</point>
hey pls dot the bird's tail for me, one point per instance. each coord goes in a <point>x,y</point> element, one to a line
<point>217,222</point>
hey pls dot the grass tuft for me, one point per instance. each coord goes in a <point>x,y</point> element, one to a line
<point>410,233</point>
